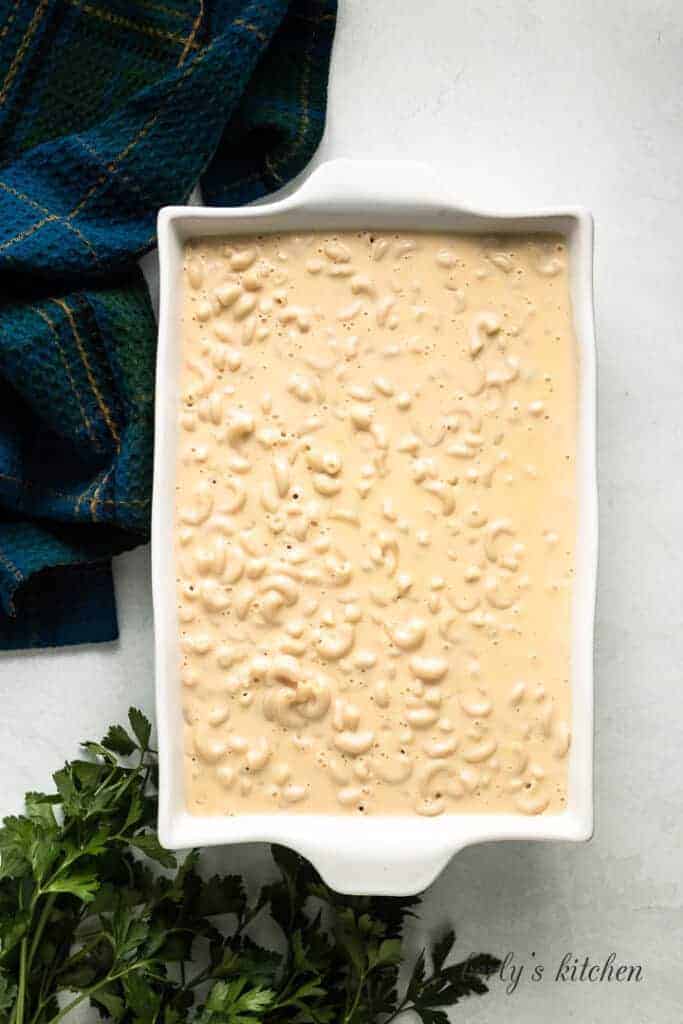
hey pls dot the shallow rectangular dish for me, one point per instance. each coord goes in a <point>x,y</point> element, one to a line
<point>383,854</point>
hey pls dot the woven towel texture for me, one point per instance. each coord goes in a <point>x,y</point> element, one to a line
<point>107,112</point>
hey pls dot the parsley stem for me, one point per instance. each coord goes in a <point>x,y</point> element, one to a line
<point>402,1008</point>
<point>26,955</point>
<point>20,1005</point>
<point>85,949</point>
<point>354,1006</point>
<point>200,978</point>
<point>40,927</point>
<point>87,992</point>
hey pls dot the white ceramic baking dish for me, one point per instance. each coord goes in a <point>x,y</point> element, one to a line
<point>387,855</point>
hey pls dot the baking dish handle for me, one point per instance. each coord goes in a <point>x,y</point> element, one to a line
<point>381,181</point>
<point>382,867</point>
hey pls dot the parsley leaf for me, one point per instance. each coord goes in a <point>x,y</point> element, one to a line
<point>234,1002</point>
<point>141,726</point>
<point>81,882</point>
<point>152,848</point>
<point>118,741</point>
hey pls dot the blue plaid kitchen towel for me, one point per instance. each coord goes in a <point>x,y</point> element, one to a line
<point>109,110</point>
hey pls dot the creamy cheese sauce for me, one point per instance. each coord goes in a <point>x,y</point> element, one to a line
<point>375,523</point>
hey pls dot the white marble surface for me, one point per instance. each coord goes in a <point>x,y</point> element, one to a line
<point>522,102</point>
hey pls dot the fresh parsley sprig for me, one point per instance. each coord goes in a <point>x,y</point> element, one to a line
<point>86,917</point>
